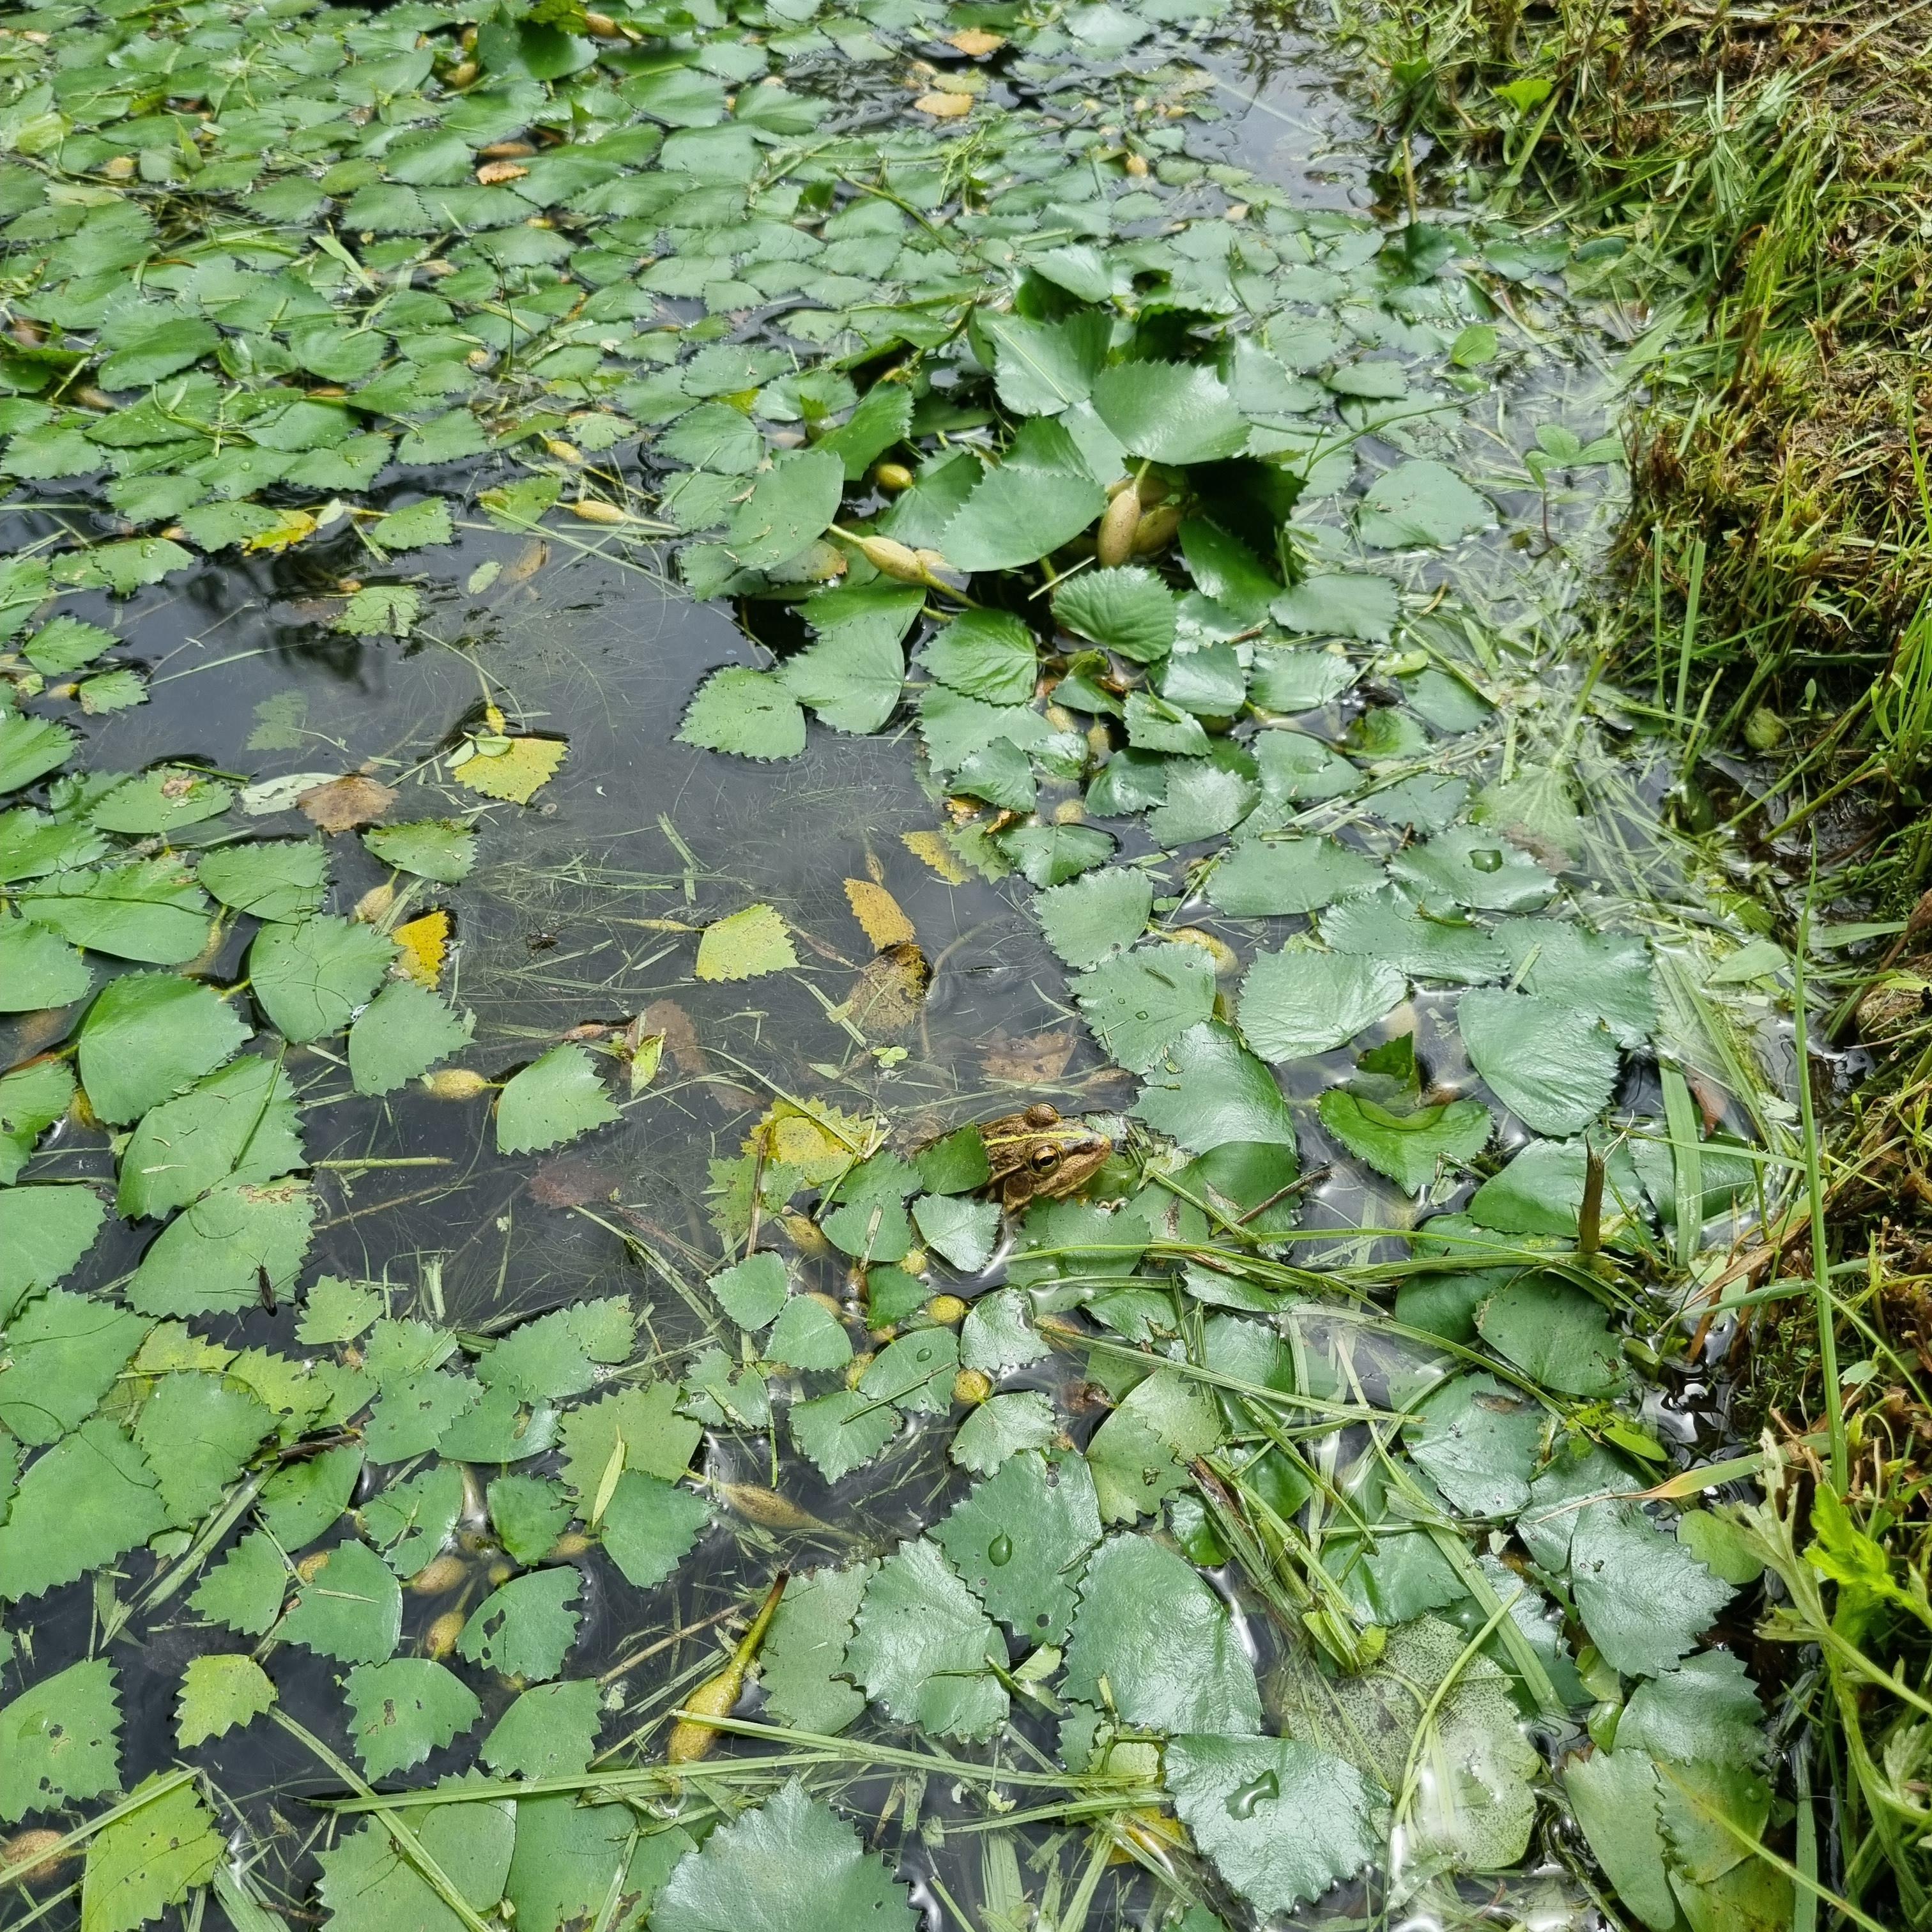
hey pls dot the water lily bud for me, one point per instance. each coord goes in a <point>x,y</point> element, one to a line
<point>455,1083</point>
<point>890,558</point>
<point>602,26</point>
<point>440,1639</point>
<point>25,1846</point>
<point>312,1567</point>
<point>891,477</point>
<point>1156,530</point>
<point>438,1577</point>
<point>689,1740</point>
<point>595,510</point>
<point>1069,811</point>
<point>461,74</point>
<point>499,1573</point>
<point>914,1260</point>
<point>1135,164</point>
<point>564,452</point>
<point>376,902</point>
<point>943,1310</point>
<point>971,1387</point>
<point>1115,543</point>
<point>573,1544</point>
<point>855,1370</point>
<point>804,1232</point>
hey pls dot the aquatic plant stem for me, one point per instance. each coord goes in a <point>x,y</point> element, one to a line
<point>1814,1187</point>
<point>407,1842</point>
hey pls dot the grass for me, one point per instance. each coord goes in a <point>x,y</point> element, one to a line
<point>1754,188</point>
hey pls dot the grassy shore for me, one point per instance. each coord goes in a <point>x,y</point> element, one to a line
<point>1757,184</point>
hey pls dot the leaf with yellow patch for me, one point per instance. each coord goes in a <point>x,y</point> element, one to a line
<point>423,942</point>
<point>745,945</point>
<point>944,107</point>
<point>820,1140</point>
<point>516,772</point>
<point>289,527</point>
<point>880,913</point>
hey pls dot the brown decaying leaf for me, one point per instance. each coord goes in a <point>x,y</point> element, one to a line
<point>891,990</point>
<point>881,915</point>
<point>666,1017</point>
<point>491,173</point>
<point>1027,1062</point>
<point>344,803</point>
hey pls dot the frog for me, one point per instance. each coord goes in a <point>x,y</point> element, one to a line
<point>1035,1155</point>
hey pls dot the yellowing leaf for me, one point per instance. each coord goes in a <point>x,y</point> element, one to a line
<point>933,851</point>
<point>290,527</point>
<point>975,42</point>
<point>219,1693</point>
<point>746,945</point>
<point>820,1143</point>
<point>514,772</point>
<point>423,942</point>
<point>944,107</point>
<point>880,913</point>
<point>644,1062</point>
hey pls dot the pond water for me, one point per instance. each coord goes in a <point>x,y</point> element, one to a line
<point>1251,1618</point>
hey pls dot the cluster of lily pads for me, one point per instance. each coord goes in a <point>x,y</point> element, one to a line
<point>1160,478</point>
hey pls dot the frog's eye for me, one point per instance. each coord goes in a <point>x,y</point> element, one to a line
<point>1045,1160</point>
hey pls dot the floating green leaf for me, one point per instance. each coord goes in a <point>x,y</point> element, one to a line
<point>403,1031</point>
<point>1409,1147</point>
<point>549,1732</point>
<point>923,1648</point>
<point>556,1099</point>
<point>218,1693</point>
<point>238,1123</point>
<point>1422,502</point>
<point>1163,1641</point>
<point>403,1710</point>
<point>1021,1540</point>
<point>1126,609</point>
<point>59,1741</point>
<point>350,1608</point>
<point>149,1859</point>
<point>1550,1065</point>
<point>1297,1003</point>
<point>789,1864</point>
<point>149,1036</point>
<point>310,978</point>
<point>1282,1821</point>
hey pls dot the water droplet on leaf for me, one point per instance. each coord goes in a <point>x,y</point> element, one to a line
<point>1241,1803</point>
